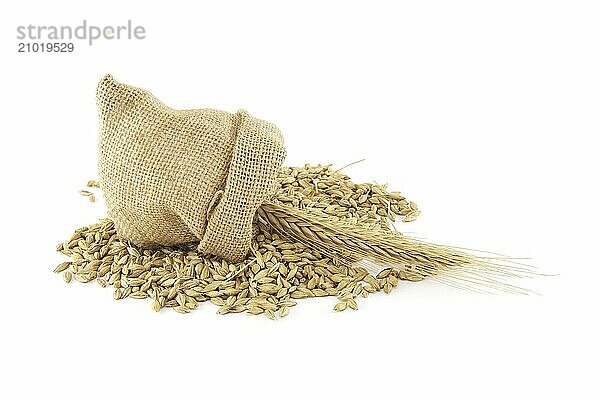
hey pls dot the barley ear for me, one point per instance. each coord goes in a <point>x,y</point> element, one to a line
<point>379,249</point>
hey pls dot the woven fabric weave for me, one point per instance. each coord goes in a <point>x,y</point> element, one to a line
<point>179,176</point>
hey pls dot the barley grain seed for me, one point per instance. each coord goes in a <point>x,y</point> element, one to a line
<point>277,270</point>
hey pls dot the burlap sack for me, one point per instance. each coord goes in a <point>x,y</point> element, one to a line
<point>177,176</point>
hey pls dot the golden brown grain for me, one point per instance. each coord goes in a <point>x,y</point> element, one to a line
<point>279,268</point>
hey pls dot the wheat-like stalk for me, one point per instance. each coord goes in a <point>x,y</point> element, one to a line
<point>353,243</point>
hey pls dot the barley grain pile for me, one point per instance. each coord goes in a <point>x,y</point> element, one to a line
<point>277,271</point>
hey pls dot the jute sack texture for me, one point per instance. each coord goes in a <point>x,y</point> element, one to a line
<point>179,176</point>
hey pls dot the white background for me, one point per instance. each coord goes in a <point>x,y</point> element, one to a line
<point>485,113</point>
